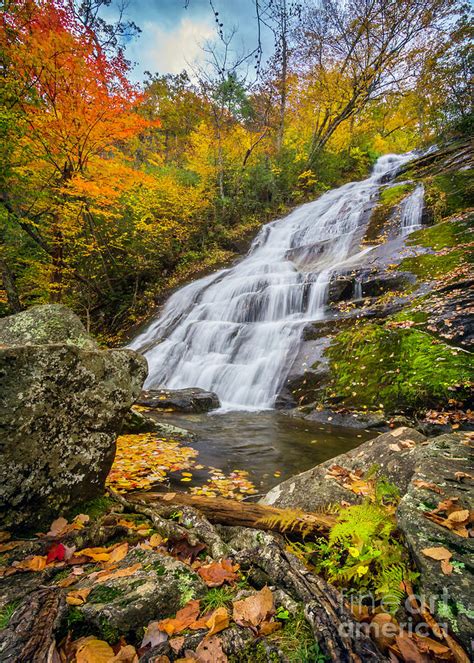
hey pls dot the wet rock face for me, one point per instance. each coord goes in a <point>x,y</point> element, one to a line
<point>62,401</point>
<point>180,400</point>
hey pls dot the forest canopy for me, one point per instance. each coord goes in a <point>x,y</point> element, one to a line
<point>111,193</point>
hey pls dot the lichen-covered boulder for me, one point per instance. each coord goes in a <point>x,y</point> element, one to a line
<point>157,587</point>
<point>62,401</point>
<point>443,473</point>
<point>394,454</point>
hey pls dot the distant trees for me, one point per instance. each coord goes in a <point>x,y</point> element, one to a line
<point>357,51</point>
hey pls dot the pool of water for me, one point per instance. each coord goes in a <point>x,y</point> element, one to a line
<point>262,443</point>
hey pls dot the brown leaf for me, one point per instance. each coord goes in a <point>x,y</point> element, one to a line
<point>127,654</point>
<point>438,553</point>
<point>446,567</point>
<point>183,619</point>
<point>78,596</point>
<point>255,609</point>
<point>93,650</point>
<point>58,527</point>
<point>153,635</point>
<point>460,516</point>
<point>184,551</point>
<point>216,573</point>
<point>118,553</point>
<point>210,651</point>
<point>103,576</point>
<point>218,621</point>
<point>409,650</point>
<point>267,628</point>
<point>383,630</point>
<point>177,643</point>
<point>427,485</point>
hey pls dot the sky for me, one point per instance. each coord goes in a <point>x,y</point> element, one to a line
<point>172,33</point>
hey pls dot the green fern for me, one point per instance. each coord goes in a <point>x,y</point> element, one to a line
<point>360,522</point>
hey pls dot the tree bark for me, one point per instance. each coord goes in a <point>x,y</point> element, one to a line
<point>10,287</point>
<point>245,514</point>
<point>29,637</point>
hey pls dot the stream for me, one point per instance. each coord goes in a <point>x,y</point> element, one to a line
<point>264,444</point>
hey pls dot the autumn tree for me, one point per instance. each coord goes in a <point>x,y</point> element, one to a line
<point>354,52</point>
<point>73,106</point>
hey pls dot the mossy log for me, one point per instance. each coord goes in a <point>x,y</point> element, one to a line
<point>219,510</point>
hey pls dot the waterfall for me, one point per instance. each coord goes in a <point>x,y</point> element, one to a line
<point>411,209</point>
<point>237,331</point>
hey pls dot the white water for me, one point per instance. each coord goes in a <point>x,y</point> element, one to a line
<point>411,209</point>
<point>236,332</point>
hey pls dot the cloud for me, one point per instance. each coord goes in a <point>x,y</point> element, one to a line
<point>166,50</point>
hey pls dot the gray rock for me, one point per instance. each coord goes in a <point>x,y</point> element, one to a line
<point>61,406</point>
<point>44,325</point>
<point>449,597</point>
<point>180,400</point>
<point>158,589</point>
<point>311,490</point>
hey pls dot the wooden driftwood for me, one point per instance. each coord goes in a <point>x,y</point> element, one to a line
<point>219,510</point>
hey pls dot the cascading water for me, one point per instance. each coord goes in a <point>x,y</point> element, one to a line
<point>412,210</point>
<point>235,332</point>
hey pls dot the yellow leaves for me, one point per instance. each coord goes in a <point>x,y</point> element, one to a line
<point>234,485</point>
<point>218,621</point>
<point>93,650</point>
<point>34,563</point>
<point>104,576</point>
<point>78,596</point>
<point>96,554</point>
<point>143,460</point>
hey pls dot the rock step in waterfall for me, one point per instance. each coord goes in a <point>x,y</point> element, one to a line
<point>236,331</point>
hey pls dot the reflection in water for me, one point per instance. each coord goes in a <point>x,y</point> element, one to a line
<point>263,443</point>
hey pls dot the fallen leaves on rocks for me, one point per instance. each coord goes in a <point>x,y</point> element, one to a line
<point>217,573</point>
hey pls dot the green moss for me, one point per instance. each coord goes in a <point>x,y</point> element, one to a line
<point>95,508</point>
<point>449,193</point>
<point>296,640</point>
<point>392,195</point>
<point>389,198</point>
<point>446,234</point>
<point>109,633</point>
<point>429,266</point>
<point>104,594</point>
<point>395,368</point>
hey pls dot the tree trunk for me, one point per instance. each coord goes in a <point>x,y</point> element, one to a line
<point>10,287</point>
<point>246,514</point>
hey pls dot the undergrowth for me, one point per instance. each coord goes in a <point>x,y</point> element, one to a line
<point>363,553</point>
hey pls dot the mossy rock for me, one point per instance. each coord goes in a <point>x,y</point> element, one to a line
<point>373,365</point>
<point>123,606</point>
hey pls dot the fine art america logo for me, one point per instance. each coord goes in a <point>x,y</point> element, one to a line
<point>417,608</point>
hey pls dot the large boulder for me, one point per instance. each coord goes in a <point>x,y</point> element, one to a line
<point>62,401</point>
<point>394,455</point>
<point>443,473</point>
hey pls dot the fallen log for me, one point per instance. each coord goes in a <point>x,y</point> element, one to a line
<point>222,511</point>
